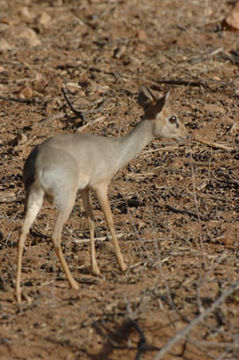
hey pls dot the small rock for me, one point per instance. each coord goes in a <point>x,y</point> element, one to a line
<point>119,51</point>
<point>31,36</point>
<point>142,35</point>
<point>121,305</point>
<point>19,139</point>
<point>7,196</point>
<point>26,93</point>
<point>25,14</point>
<point>233,18</point>
<point>4,45</point>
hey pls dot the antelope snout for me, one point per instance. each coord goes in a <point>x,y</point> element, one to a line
<point>184,138</point>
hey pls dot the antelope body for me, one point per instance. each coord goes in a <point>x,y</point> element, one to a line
<point>64,164</point>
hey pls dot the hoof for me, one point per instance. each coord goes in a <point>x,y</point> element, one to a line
<point>74,285</point>
<point>95,270</point>
<point>123,267</point>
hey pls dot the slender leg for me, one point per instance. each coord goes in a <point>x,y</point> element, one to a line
<point>56,238</point>
<point>34,203</point>
<point>90,217</point>
<point>101,193</point>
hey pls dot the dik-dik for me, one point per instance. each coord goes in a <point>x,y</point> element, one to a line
<point>64,164</point>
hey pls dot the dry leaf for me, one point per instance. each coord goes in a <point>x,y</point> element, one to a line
<point>45,19</point>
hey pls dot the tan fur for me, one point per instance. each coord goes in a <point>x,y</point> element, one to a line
<point>64,164</point>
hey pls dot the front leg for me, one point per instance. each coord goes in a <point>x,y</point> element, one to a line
<point>101,193</point>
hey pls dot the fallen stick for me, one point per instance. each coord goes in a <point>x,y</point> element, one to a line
<point>91,123</point>
<point>76,112</point>
<point>182,211</point>
<point>214,145</point>
<point>206,56</point>
<point>166,148</point>
<point>101,238</point>
<point>11,99</point>
<point>199,83</point>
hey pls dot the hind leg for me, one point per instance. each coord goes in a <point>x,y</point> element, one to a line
<point>33,205</point>
<point>89,213</point>
<point>64,204</point>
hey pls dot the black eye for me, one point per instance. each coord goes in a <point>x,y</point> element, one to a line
<point>174,120</point>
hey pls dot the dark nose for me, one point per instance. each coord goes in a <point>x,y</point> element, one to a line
<point>184,139</point>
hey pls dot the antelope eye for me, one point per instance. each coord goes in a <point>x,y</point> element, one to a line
<point>173,119</point>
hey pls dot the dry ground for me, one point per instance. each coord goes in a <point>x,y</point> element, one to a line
<point>175,206</point>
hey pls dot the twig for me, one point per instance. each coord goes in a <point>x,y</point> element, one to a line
<point>183,82</point>
<point>142,344</point>
<point>92,122</point>
<point>166,284</point>
<point>181,211</point>
<point>166,148</point>
<point>24,101</point>
<point>233,128</point>
<point>197,211</point>
<point>77,112</point>
<point>93,69</point>
<point>203,279</point>
<point>112,73</point>
<point>206,56</point>
<point>102,238</point>
<point>214,145</point>
<point>53,117</point>
<point>181,334</point>
<point>214,344</point>
<point>226,178</point>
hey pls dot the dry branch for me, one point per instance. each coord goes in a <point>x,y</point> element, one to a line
<point>214,145</point>
<point>19,100</point>
<point>181,334</point>
<point>166,148</point>
<point>199,83</point>
<point>197,212</point>
<point>206,56</point>
<point>214,344</point>
<point>233,128</point>
<point>92,122</point>
<point>182,211</point>
<point>101,238</point>
<point>77,112</point>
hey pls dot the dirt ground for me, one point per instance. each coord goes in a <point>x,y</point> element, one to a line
<point>175,206</point>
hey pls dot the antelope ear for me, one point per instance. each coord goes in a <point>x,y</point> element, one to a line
<point>146,97</point>
<point>167,97</point>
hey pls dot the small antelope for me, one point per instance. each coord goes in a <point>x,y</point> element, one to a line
<point>64,164</point>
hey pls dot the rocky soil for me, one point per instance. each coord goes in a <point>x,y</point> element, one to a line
<point>175,206</point>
